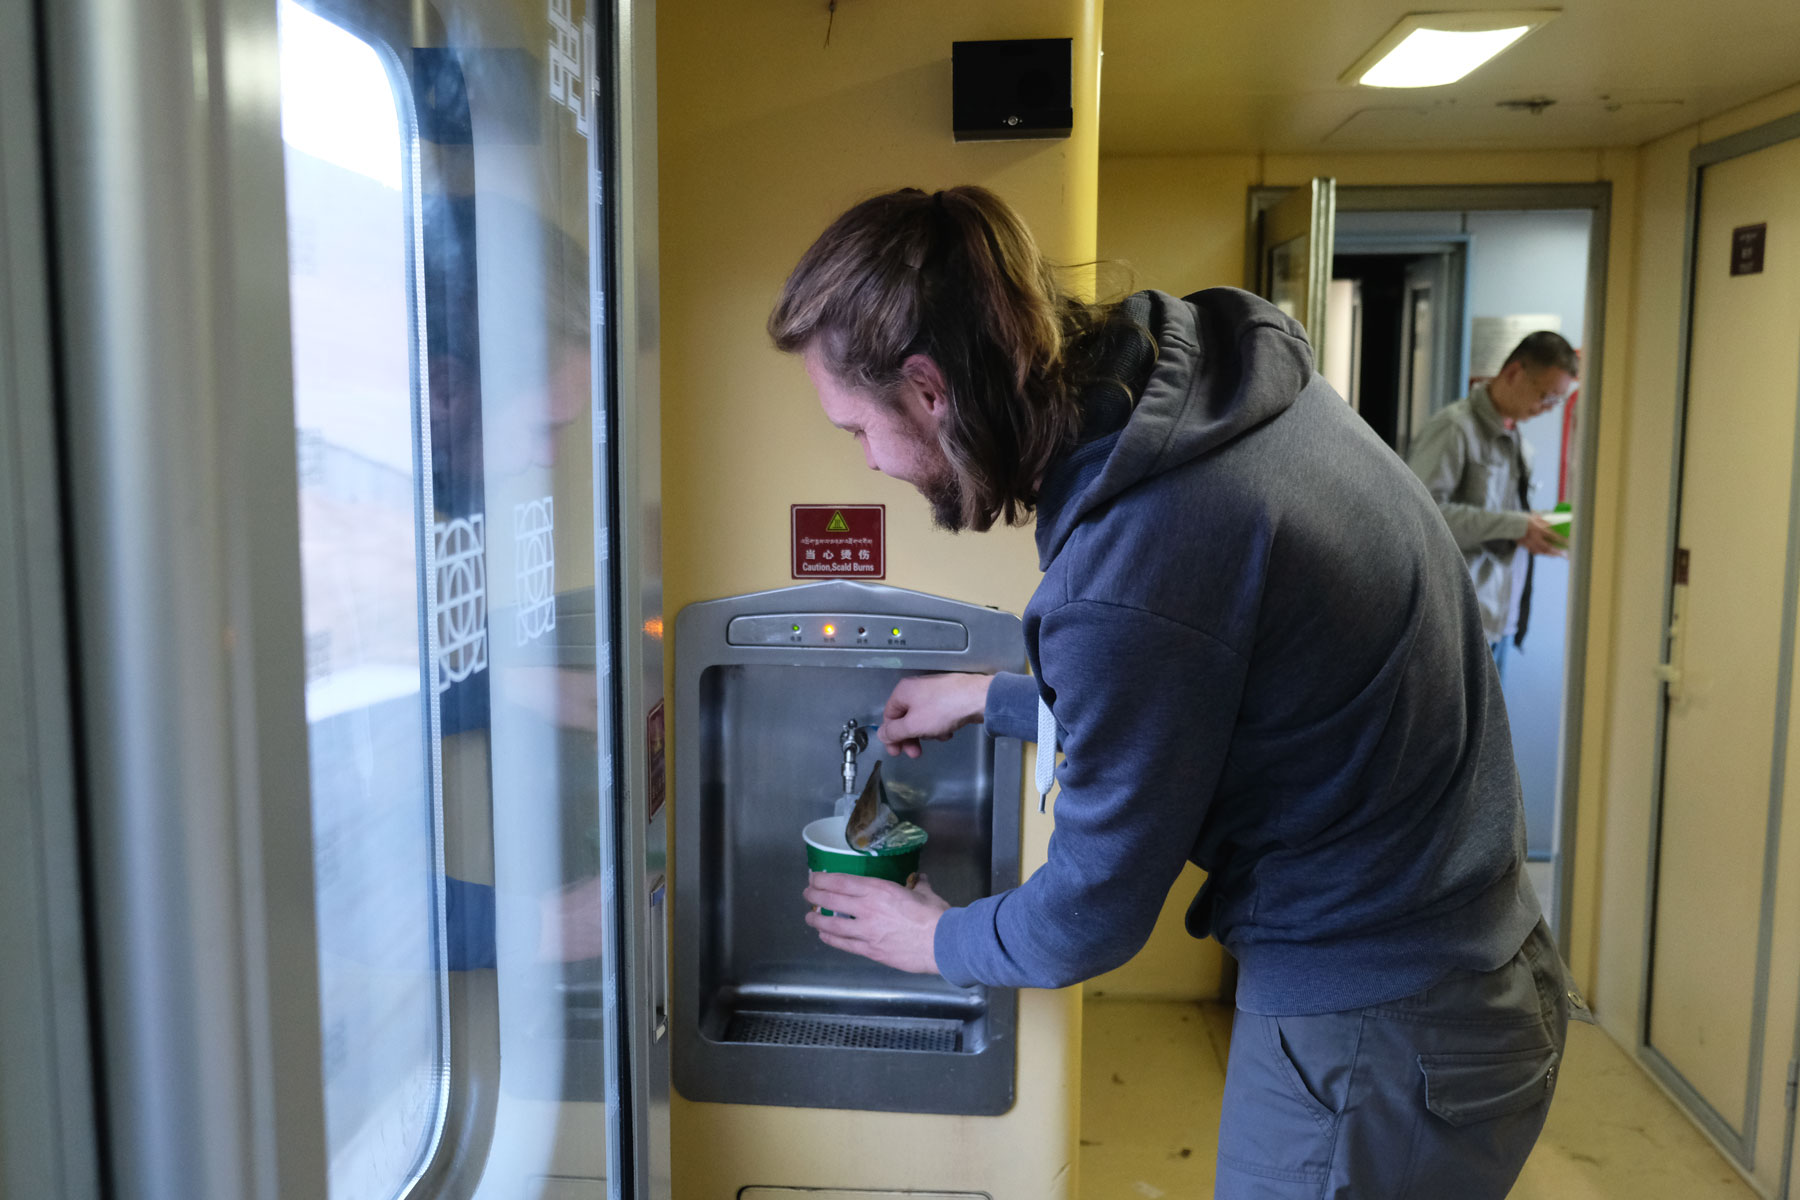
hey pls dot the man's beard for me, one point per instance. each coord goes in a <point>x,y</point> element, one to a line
<point>945,495</point>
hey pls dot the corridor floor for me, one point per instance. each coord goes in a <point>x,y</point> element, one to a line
<point>1153,1074</point>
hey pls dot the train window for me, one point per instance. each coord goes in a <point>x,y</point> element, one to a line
<point>443,208</point>
<point>367,574</point>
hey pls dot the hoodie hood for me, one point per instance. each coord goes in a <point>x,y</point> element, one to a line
<point>1226,361</point>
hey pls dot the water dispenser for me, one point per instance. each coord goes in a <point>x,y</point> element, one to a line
<point>766,686</point>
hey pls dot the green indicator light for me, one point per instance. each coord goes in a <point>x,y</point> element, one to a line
<point>796,629</point>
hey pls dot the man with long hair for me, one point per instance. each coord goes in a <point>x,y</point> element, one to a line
<point>1257,647</point>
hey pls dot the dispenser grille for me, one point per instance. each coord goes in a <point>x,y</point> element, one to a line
<point>853,1033</point>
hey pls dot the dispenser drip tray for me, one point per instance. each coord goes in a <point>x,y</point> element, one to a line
<point>859,1032</point>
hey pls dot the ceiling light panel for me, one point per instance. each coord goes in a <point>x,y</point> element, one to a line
<point>1433,49</point>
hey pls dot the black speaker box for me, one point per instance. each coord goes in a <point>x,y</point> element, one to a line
<point>1012,89</point>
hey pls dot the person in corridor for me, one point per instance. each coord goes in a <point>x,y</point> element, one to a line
<point>1257,647</point>
<point>1477,466</point>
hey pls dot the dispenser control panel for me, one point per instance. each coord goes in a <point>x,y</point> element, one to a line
<point>847,631</point>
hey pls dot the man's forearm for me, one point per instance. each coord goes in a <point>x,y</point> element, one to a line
<point>1473,526</point>
<point>1012,702</point>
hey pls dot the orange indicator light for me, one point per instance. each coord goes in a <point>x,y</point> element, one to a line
<point>831,631</point>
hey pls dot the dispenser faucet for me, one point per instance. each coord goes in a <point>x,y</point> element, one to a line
<point>853,739</point>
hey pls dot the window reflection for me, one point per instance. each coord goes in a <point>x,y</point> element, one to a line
<point>455,590</point>
<point>370,712</point>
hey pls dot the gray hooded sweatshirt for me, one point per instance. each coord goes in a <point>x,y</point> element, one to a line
<point>1263,654</point>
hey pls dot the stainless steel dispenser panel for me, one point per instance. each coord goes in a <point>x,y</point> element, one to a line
<point>763,1012</point>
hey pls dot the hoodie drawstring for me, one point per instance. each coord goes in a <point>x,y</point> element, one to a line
<point>1046,753</point>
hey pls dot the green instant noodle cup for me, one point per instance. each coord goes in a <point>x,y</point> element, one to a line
<point>826,850</point>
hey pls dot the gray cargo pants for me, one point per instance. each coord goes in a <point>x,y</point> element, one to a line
<point>1438,1096</point>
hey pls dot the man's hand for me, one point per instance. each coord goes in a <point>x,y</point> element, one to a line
<point>893,925</point>
<point>571,924</point>
<point>931,706</point>
<point>1541,538</point>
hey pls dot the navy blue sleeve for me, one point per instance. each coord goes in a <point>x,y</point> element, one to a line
<point>1146,708</point>
<point>1012,703</point>
<point>469,922</point>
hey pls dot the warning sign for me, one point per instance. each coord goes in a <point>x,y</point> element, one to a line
<point>840,541</point>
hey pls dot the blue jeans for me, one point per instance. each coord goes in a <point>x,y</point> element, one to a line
<point>1441,1094</point>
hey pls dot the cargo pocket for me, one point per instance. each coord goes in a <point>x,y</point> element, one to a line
<point>1463,1089</point>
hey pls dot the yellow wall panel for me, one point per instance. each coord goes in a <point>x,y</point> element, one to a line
<point>1175,224</point>
<point>1621,169</point>
<point>1746,116</point>
<point>766,133</point>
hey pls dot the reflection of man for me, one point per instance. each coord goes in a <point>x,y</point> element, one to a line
<point>500,402</point>
<point>1476,465</point>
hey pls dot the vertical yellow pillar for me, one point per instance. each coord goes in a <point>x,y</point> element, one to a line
<point>774,119</point>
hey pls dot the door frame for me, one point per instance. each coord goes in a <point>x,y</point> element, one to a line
<point>1739,1146</point>
<point>169,268</point>
<point>634,823</point>
<point>1316,222</point>
<point>1597,199</point>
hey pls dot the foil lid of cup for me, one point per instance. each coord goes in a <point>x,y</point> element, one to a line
<point>898,838</point>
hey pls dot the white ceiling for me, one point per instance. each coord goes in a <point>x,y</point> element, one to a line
<point>1215,76</point>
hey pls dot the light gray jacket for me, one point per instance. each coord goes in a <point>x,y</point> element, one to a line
<point>1472,465</point>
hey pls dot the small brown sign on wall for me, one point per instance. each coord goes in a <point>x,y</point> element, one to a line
<point>1747,248</point>
<point>836,541</point>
